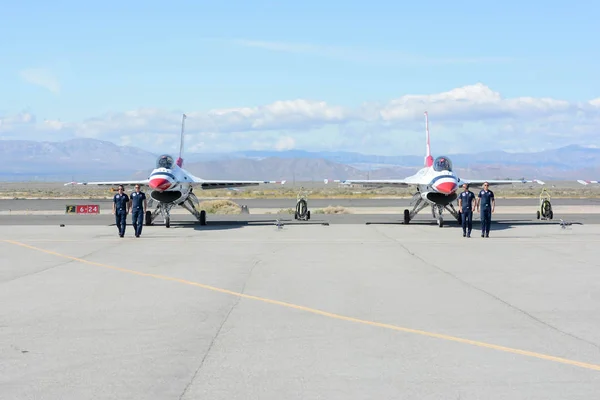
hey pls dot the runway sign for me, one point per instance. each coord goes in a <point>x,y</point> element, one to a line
<point>83,209</point>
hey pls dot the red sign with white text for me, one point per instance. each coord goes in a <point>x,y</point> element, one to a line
<point>88,209</point>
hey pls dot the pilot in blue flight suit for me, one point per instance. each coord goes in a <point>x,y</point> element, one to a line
<point>466,203</point>
<point>138,207</point>
<point>488,204</point>
<point>120,208</point>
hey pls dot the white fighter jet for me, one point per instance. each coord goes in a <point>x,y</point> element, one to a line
<point>171,185</point>
<point>436,185</point>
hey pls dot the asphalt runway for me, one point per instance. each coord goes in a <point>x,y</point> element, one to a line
<point>59,205</point>
<point>307,311</point>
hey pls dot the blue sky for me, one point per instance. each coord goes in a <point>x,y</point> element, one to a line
<point>73,69</point>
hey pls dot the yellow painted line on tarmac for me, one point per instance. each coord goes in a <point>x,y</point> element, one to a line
<point>323,313</point>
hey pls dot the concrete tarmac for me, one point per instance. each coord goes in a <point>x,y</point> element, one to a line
<point>345,311</point>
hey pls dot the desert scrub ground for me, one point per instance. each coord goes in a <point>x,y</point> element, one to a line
<point>230,207</point>
<point>331,210</point>
<point>34,190</point>
<point>219,207</point>
<point>326,210</point>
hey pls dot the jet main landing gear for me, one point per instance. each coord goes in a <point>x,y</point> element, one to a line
<point>189,205</point>
<point>419,204</point>
<point>151,215</point>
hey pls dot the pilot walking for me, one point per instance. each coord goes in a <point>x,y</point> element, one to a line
<point>138,205</point>
<point>487,202</point>
<point>466,203</point>
<point>120,208</point>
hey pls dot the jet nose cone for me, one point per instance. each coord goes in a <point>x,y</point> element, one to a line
<point>159,184</point>
<point>447,187</point>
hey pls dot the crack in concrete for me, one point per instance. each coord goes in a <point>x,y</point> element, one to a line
<point>490,294</point>
<point>218,333</point>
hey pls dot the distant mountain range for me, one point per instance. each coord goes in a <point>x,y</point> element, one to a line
<point>91,159</point>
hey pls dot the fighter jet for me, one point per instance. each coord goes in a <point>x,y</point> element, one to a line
<point>586,182</point>
<point>436,185</point>
<point>171,185</point>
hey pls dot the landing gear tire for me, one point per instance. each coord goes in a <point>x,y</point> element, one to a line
<point>203,217</point>
<point>168,222</point>
<point>148,218</point>
<point>440,222</point>
<point>302,212</point>
<point>538,215</point>
<point>406,217</point>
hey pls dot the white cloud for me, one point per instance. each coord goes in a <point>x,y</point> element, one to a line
<point>285,143</point>
<point>54,125</point>
<point>197,147</point>
<point>41,77</point>
<point>16,120</point>
<point>293,114</point>
<point>472,102</point>
<point>469,118</point>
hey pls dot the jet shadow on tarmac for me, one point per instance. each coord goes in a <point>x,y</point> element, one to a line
<point>495,225</point>
<point>236,224</point>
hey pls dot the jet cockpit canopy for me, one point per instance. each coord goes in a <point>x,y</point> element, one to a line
<point>442,163</point>
<point>164,161</point>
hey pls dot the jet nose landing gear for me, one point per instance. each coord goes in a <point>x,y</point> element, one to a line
<point>436,209</point>
<point>438,217</point>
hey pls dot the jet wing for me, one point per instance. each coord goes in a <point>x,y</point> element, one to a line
<point>373,182</point>
<point>494,182</point>
<point>225,184</point>
<point>112,183</point>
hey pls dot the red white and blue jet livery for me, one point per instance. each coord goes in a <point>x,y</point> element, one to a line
<point>171,185</point>
<point>586,182</point>
<point>436,185</point>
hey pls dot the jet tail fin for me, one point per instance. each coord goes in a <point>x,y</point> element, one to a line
<point>428,157</point>
<point>180,159</point>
